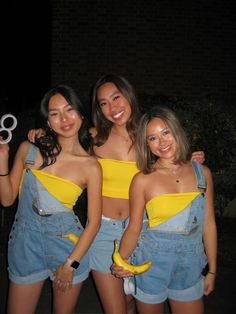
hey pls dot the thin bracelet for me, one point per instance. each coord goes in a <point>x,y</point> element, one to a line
<point>4,175</point>
<point>70,260</point>
<point>211,272</point>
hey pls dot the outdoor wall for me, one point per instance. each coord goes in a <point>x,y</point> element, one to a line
<point>176,48</point>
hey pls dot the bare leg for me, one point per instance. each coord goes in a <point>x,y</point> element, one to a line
<point>23,298</point>
<point>111,293</point>
<point>192,307</point>
<point>130,304</point>
<point>65,302</point>
<point>144,308</point>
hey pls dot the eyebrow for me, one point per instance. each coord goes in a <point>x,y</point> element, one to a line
<point>111,95</point>
<point>149,136</point>
<point>154,134</point>
<point>56,109</point>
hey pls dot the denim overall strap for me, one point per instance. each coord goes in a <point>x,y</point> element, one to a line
<point>201,184</point>
<point>44,203</point>
<point>30,158</point>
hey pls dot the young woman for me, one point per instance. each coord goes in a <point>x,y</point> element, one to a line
<point>115,114</point>
<point>181,236</point>
<point>50,176</point>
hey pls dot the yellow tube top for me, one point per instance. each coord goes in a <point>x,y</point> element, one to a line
<point>164,206</point>
<point>63,190</point>
<point>117,176</point>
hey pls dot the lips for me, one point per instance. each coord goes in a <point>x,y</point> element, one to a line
<point>67,127</point>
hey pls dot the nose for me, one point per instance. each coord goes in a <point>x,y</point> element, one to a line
<point>113,106</point>
<point>161,140</point>
<point>63,116</point>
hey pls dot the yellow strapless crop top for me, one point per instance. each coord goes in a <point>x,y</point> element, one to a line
<point>63,190</point>
<point>164,206</point>
<point>117,176</point>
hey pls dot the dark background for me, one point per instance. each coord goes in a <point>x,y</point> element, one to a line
<point>175,48</point>
<point>183,49</point>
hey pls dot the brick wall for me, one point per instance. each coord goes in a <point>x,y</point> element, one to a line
<point>177,48</point>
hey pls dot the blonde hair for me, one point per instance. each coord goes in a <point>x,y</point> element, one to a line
<point>145,158</point>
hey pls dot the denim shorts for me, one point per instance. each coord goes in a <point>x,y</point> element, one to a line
<point>36,249</point>
<point>176,270</point>
<point>100,252</point>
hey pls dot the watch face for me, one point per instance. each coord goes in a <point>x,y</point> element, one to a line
<point>75,264</point>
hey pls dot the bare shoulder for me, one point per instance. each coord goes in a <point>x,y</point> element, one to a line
<point>91,164</point>
<point>91,160</point>
<point>207,172</point>
<point>139,179</point>
<point>23,148</point>
<point>93,132</point>
<point>22,151</point>
<point>25,145</point>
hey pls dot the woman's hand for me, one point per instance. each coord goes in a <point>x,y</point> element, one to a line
<point>63,277</point>
<point>4,149</point>
<point>209,283</point>
<point>198,156</point>
<point>33,134</point>
<point>120,272</point>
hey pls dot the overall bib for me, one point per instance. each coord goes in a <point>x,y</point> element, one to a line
<point>35,246</point>
<point>177,252</point>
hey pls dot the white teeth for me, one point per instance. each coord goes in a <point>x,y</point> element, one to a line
<point>165,149</point>
<point>118,115</point>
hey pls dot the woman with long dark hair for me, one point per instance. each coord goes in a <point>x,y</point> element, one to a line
<point>49,176</point>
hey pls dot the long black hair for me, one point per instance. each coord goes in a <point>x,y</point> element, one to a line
<point>102,125</point>
<point>48,145</point>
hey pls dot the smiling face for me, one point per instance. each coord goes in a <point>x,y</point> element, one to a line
<point>114,106</point>
<point>160,139</point>
<point>62,117</point>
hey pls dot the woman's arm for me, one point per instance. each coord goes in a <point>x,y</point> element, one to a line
<point>94,210</point>
<point>210,234</point>
<point>64,273</point>
<point>137,204</point>
<point>9,183</point>
<point>130,237</point>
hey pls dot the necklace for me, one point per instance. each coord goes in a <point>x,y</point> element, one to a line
<point>173,171</point>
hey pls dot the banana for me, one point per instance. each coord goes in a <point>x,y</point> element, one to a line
<point>74,238</point>
<point>134,269</point>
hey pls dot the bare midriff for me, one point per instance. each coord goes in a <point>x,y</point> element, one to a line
<point>116,208</point>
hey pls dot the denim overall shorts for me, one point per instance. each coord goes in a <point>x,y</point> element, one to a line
<point>100,253</point>
<point>35,246</point>
<point>177,252</point>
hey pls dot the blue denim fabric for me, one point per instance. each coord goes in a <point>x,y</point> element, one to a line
<point>177,253</point>
<point>35,247</point>
<point>44,202</point>
<point>100,253</point>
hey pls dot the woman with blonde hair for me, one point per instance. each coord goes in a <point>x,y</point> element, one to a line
<point>181,237</point>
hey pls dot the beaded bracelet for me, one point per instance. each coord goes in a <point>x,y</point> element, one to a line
<point>4,175</point>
